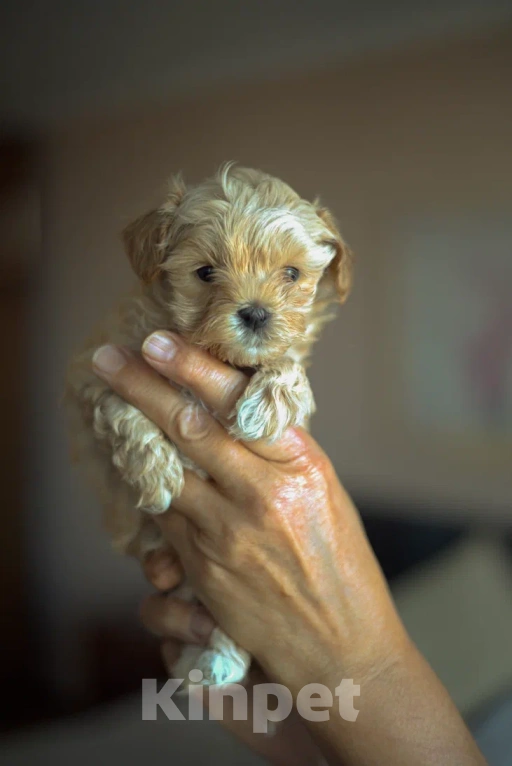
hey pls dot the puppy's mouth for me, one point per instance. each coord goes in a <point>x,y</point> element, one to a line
<point>247,370</point>
<point>244,348</point>
<point>250,358</point>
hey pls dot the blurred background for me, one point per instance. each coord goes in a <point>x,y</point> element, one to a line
<point>399,115</point>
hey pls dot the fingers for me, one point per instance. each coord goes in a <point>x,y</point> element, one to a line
<point>170,618</point>
<point>214,383</point>
<point>200,502</point>
<point>163,569</point>
<point>176,526</point>
<point>189,426</point>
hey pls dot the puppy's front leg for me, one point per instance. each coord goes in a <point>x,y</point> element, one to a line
<point>143,455</point>
<point>277,396</point>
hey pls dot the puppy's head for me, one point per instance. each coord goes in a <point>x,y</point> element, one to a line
<point>239,261</point>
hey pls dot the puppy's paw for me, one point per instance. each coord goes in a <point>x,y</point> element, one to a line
<point>164,481</point>
<point>276,397</point>
<point>223,662</point>
<point>146,460</point>
<point>157,502</point>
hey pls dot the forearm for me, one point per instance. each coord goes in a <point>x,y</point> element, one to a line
<point>405,718</point>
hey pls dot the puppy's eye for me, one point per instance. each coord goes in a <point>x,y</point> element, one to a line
<point>205,273</point>
<point>291,273</point>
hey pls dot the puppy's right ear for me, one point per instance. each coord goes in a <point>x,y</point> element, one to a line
<point>148,239</point>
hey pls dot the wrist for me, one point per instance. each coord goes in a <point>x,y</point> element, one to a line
<point>302,661</point>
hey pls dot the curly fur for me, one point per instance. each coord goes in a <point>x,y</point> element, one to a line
<point>250,228</point>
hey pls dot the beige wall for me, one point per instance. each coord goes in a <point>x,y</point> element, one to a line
<point>381,140</point>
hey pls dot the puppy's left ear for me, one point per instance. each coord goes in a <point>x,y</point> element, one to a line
<point>340,269</point>
<point>148,240</point>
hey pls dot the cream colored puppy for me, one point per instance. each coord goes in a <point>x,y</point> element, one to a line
<point>245,268</point>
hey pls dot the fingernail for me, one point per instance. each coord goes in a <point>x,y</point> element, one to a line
<point>193,422</point>
<point>108,360</point>
<point>201,624</point>
<point>160,346</point>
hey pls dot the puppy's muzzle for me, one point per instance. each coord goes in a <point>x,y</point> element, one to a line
<point>254,317</point>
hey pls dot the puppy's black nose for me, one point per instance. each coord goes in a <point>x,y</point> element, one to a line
<point>254,317</point>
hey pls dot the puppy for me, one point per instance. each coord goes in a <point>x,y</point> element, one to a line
<point>243,267</point>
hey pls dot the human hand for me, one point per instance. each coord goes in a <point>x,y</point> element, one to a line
<point>176,622</point>
<point>271,543</point>
<point>276,552</point>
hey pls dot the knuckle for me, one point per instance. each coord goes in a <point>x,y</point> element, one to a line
<point>227,549</point>
<point>194,422</point>
<point>235,548</point>
<point>256,496</point>
<point>304,452</point>
<point>171,418</point>
<point>259,504</point>
<point>320,465</point>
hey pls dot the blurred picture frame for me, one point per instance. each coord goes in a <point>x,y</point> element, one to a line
<point>439,351</point>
